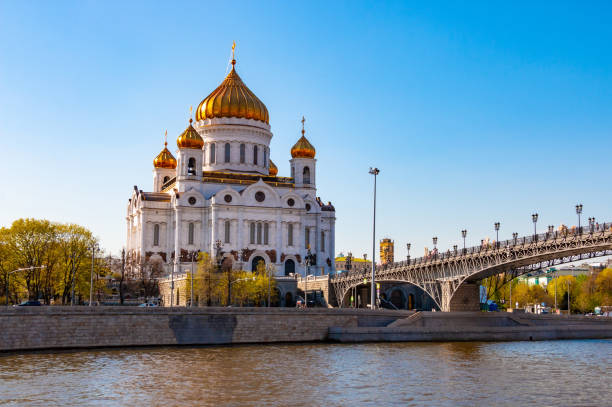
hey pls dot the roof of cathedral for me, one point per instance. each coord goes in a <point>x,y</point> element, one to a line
<point>165,159</point>
<point>232,99</point>
<point>273,169</point>
<point>155,196</point>
<point>303,148</point>
<point>190,138</point>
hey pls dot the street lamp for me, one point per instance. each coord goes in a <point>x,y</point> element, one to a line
<point>496,235</point>
<point>534,218</point>
<point>308,262</point>
<point>8,278</point>
<point>219,258</point>
<point>551,230</point>
<point>375,172</point>
<point>579,212</point>
<point>94,248</point>
<point>193,255</point>
<point>464,234</point>
<point>408,250</point>
<point>435,241</point>
<point>348,262</point>
<point>515,237</point>
<point>455,249</point>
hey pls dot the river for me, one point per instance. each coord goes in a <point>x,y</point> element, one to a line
<point>553,373</point>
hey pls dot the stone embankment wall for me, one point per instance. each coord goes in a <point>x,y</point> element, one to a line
<point>27,328</point>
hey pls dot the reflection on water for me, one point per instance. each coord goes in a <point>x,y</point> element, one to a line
<point>442,374</point>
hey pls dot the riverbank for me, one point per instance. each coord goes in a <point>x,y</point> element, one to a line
<point>478,326</point>
<point>34,328</point>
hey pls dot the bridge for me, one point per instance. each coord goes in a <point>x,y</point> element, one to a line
<point>450,277</point>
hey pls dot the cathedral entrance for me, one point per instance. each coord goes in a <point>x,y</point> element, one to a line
<point>256,261</point>
<point>289,267</point>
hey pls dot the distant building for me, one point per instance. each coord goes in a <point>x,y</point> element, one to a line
<point>543,277</point>
<point>386,251</point>
<point>356,263</point>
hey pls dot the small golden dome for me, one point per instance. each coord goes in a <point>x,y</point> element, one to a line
<point>232,99</point>
<point>273,169</point>
<point>190,138</point>
<point>303,148</point>
<point>165,159</point>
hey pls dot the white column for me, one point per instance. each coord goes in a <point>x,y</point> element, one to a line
<point>213,228</point>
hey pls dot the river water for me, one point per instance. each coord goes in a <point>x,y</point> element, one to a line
<point>555,373</point>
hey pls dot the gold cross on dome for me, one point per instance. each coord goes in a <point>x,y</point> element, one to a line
<point>233,48</point>
<point>166,138</point>
<point>303,121</point>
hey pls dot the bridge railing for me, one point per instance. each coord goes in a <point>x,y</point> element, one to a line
<point>562,233</point>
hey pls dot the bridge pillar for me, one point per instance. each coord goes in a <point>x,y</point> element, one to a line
<point>465,298</point>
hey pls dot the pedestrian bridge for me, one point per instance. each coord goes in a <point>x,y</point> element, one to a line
<point>449,277</point>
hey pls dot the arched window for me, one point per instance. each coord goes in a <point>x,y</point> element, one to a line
<point>227,231</point>
<point>322,241</point>
<point>242,153</point>
<point>211,159</point>
<point>255,155</point>
<point>227,152</point>
<point>191,164</point>
<point>259,233</point>
<point>191,233</point>
<point>306,174</point>
<point>252,232</point>
<point>265,157</point>
<point>293,173</point>
<point>156,235</point>
<point>166,179</point>
<point>290,234</point>
<point>266,232</point>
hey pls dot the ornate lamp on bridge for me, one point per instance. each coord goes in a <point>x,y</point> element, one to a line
<point>515,237</point>
<point>464,234</point>
<point>408,250</point>
<point>591,224</point>
<point>455,249</point>
<point>534,218</point>
<point>579,212</point>
<point>348,262</point>
<point>497,235</point>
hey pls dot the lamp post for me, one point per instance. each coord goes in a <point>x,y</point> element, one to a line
<point>408,250</point>
<point>308,262</point>
<point>193,255</point>
<point>464,234</point>
<point>534,218</point>
<point>435,242</point>
<point>375,172</point>
<point>455,249</point>
<point>94,247</point>
<point>219,259</point>
<point>515,237</point>
<point>348,262</point>
<point>579,212</point>
<point>8,279</point>
<point>171,284</point>
<point>569,310</point>
<point>591,225</point>
<point>551,230</point>
<point>496,235</point>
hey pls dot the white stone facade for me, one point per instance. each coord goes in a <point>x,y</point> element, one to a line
<point>232,199</point>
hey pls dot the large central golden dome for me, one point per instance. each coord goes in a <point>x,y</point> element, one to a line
<point>232,99</point>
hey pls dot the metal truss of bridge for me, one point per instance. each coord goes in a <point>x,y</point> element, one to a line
<point>441,274</point>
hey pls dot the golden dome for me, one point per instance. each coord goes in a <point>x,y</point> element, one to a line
<point>190,138</point>
<point>165,159</point>
<point>232,99</point>
<point>303,148</point>
<point>273,169</point>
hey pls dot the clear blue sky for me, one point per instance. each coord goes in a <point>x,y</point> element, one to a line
<point>475,112</point>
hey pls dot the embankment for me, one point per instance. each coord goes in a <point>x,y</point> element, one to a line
<point>29,328</point>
